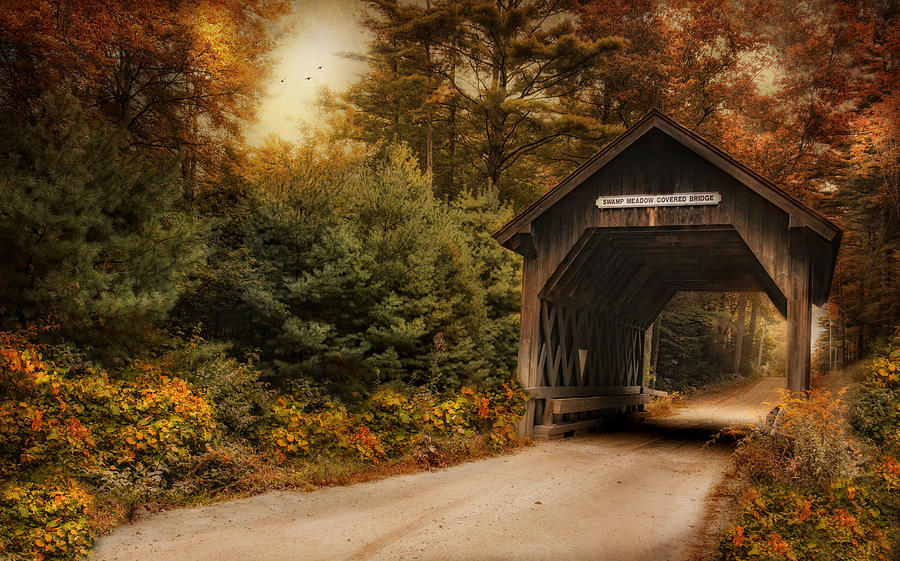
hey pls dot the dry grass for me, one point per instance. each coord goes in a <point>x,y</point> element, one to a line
<point>665,406</point>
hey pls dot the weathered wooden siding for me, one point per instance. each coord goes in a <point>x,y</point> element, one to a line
<point>590,288</point>
<point>659,164</point>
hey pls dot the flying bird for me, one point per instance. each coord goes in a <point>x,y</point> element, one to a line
<point>309,77</point>
<point>320,68</point>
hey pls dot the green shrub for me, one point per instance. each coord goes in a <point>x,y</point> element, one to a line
<point>395,418</point>
<point>239,398</point>
<point>875,409</point>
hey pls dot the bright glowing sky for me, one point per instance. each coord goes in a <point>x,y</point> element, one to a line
<point>321,30</point>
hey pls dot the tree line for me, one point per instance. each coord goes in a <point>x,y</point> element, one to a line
<point>135,217</point>
<point>514,94</point>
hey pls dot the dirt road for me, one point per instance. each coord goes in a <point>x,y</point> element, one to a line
<point>634,494</point>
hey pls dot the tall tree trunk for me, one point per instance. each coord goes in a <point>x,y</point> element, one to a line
<point>451,130</point>
<point>654,353</point>
<point>739,332</point>
<point>723,326</point>
<point>830,346</point>
<point>861,342</point>
<point>754,313</point>
<point>842,323</point>
<point>429,125</point>
<point>429,148</point>
<point>762,344</point>
<point>648,352</point>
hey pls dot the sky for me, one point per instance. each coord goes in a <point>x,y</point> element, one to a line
<point>321,31</point>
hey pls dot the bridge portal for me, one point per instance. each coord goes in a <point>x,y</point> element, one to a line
<point>659,210</point>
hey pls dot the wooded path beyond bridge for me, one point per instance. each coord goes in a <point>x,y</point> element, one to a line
<point>638,493</point>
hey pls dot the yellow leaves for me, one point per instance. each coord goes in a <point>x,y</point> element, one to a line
<point>46,517</point>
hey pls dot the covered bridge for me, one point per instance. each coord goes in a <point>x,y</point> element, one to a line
<point>659,210</point>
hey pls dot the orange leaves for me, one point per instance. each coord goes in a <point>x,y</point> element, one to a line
<point>780,522</point>
<point>44,520</point>
<point>483,408</point>
<point>367,444</point>
<point>805,510</point>
<point>90,421</point>
<point>887,369</point>
<point>888,471</point>
<point>391,422</point>
<point>778,546</point>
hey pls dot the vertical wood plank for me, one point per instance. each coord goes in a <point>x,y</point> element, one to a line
<point>799,313</point>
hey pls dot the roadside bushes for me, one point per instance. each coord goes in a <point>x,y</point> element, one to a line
<point>73,434</point>
<point>809,490</point>
<point>230,386</point>
<point>782,522</point>
<point>808,443</point>
<point>391,423</point>
<point>84,421</point>
<point>396,418</point>
<point>875,411</point>
<point>62,426</point>
<point>46,520</point>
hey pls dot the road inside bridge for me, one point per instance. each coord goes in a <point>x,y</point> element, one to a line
<point>639,493</point>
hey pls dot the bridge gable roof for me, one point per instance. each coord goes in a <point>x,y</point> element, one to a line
<point>800,214</point>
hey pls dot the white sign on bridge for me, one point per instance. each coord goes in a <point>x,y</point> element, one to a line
<point>672,199</point>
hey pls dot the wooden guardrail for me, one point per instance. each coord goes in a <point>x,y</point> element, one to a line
<point>623,402</point>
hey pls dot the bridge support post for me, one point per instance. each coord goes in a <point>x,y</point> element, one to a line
<point>529,341</point>
<point>799,312</point>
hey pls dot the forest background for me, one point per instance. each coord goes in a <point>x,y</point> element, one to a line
<point>290,291</point>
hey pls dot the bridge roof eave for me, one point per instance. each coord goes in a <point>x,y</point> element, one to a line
<point>513,232</point>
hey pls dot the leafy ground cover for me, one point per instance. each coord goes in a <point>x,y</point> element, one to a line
<point>822,480</point>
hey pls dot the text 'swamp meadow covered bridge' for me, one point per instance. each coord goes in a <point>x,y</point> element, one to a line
<point>658,211</point>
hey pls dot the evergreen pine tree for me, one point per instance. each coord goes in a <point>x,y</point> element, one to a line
<point>92,237</point>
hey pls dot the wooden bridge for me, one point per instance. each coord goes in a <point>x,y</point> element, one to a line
<point>658,211</point>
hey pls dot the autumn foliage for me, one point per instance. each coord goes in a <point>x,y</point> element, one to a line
<point>85,421</point>
<point>391,423</point>
<point>220,310</point>
<point>69,431</point>
<point>178,76</point>
<point>812,489</point>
